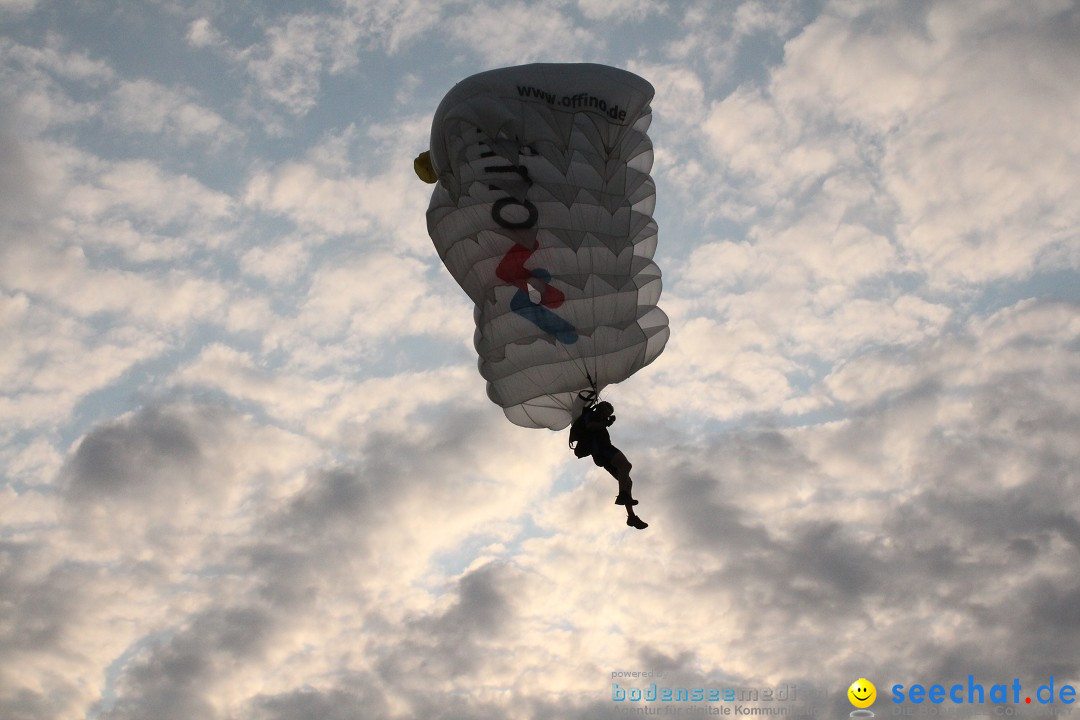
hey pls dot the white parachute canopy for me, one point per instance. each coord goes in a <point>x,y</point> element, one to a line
<point>543,214</point>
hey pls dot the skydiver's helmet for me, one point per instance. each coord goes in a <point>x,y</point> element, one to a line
<point>605,410</point>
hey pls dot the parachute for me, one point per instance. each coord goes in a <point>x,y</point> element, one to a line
<point>542,212</point>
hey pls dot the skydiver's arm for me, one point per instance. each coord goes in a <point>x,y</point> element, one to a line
<point>600,423</point>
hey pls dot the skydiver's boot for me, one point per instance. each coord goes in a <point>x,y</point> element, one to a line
<point>621,499</point>
<point>635,522</point>
<point>624,497</point>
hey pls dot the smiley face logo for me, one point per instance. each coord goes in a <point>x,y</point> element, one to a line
<point>862,693</point>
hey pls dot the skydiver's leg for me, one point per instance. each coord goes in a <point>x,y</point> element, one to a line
<point>625,484</point>
<point>612,460</point>
<point>620,468</point>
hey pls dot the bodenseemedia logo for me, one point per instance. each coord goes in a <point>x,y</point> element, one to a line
<point>974,693</point>
<point>655,693</point>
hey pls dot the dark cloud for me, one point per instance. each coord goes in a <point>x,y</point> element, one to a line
<point>157,452</point>
<point>19,201</point>
<point>340,516</point>
<point>363,700</point>
<point>25,704</point>
<point>314,546</point>
<point>327,527</point>
<point>482,609</point>
<point>453,643</point>
<point>706,496</point>
<point>703,519</point>
<point>46,606</point>
<point>821,553</point>
<point>128,456</point>
<point>958,564</point>
<point>178,677</point>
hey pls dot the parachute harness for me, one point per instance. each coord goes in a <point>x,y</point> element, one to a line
<point>577,430</point>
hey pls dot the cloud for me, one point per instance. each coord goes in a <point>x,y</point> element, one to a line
<point>53,58</point>
<point>34,79</point>
<point>142,502</point>
<point>1018,338</point>
<point>201,33</point>
<point>249,467</point>
<point>300,50</point>
<point>714,40</point>
<point>514,33</point>
<point>177,678</point>
<point>17,6</point>
<point>375,296</point>
<point>288,66</point>
<point>352,184</point>
<point>110,462</point>
<point>18,203</point>
<point>357,697</point>
<point>179,482</point>
<point>460,641</point>
<point>58,364</point>
<point>949,150</point>
<point>621,11</point>
<point>143,106</point>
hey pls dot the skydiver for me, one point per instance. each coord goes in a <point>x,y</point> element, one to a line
<point>595,422</point>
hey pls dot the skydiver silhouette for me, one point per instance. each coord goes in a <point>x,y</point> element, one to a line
<point>593,439</point>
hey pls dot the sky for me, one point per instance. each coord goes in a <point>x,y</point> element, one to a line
<point>248,469</point>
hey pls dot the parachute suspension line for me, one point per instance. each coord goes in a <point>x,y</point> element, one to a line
<point>592,394</point>
<point>592,386</point>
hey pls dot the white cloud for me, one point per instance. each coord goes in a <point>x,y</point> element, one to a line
<point>950,108</point>
<point>352,184</point>
<point>393,24</point>
<point>282,262</point>
<point>621,10</point>
<point>78,325</point>
<point>32,89</point>
<point>514,32</point>
<point>17,6</point>
<point>1020,340</point>
<point>140,189</point>
<point>147,107</point>
<point>201,34</point>
<point>58,360</point>
<point>680,95</point>
<point>713,37</point>
<point>65,279</point>
<point>772,17</point>
<point>53,58</point>
<point>289,65</point>
<point>331,205</point>
<point>285,396</point>
<point>374,296</point>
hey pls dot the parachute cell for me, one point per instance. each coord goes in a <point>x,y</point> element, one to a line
<point>543,214</point>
